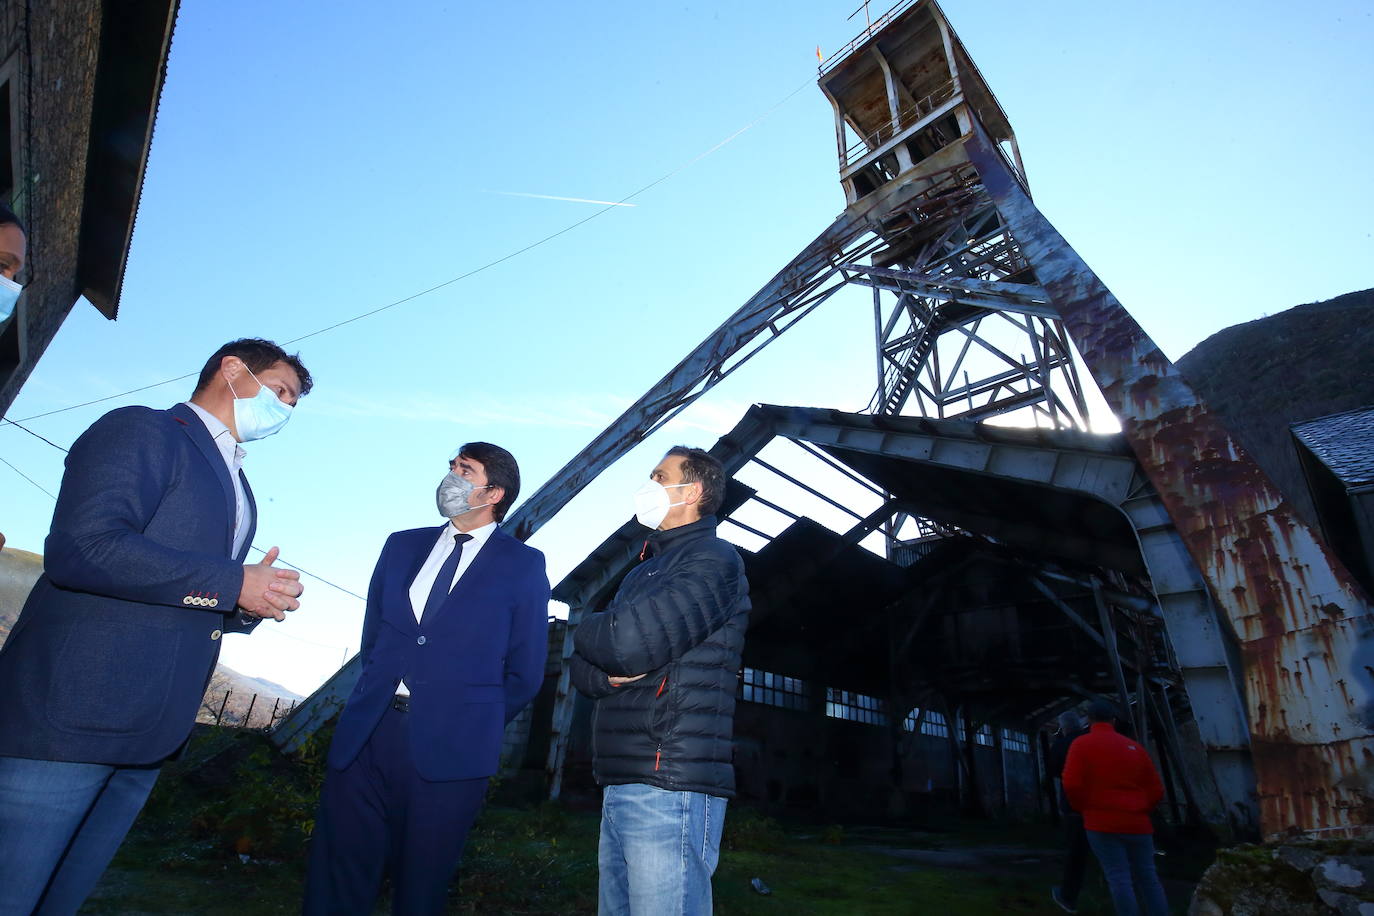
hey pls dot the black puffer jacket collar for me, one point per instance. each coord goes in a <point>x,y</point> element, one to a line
<point>662,541</point>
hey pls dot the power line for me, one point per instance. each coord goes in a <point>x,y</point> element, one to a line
<point>323,645</point>
<point>110,397</point>
<point>312,642</point>
<point>298,569</point>
<point>30,479</point>
<point>313,576</point>
<point>390,305</point>
<point>37,436</point>
<point>463,276</point>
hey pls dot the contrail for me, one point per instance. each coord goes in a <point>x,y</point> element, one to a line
<point>576,200</point>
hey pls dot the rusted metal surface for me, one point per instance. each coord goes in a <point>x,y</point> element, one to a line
<point>1105,469</point>
<point>972,269</point>
<point>561,719</point>
<point>1303,629</point>
<point>1302,622</point>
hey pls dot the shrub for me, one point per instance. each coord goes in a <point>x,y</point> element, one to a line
<point>746,829</point>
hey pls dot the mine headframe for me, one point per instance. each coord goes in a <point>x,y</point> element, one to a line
<point>986,304</point>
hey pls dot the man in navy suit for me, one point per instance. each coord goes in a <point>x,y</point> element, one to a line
<point>453,647</point>
<point>144,571</point>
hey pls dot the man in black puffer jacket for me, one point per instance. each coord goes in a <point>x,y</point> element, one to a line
<point>662,663</point>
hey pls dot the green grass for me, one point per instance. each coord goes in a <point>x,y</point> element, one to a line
<point>815,879</point>
<point>231,793</point>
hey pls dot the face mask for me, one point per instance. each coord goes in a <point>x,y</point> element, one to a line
<point>454,496</point>
<point>261,415</point>
<point>652,502</point>
<point>9,295</point>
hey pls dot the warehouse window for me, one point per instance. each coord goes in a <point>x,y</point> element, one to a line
<point>1016,741</point>
<point>933,723</point>
<point>773,689</point>
<point>855,707</point>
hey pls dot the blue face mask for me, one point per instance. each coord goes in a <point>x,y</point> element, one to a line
<point>261,415</point>
<point>9,295</point>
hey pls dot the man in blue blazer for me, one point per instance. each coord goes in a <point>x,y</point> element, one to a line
<point>453,647</point>
<point>144,572</point>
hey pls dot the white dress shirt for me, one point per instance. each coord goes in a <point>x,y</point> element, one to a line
<point>233,459</point>
<point>424,579</point>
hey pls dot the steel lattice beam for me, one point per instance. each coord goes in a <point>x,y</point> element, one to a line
<point>1304,625</point>
<point>808,280</point>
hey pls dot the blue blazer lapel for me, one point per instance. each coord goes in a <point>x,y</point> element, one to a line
<point>194,427</point>
<point>407,564</point>
<point>424,543</point>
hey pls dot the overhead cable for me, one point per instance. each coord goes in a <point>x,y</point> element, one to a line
<point>298,569</point>
<point>463,276</point>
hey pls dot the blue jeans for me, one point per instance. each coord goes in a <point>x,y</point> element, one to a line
<point>60,825</point>
<point>658,851</point>
<point>1128,861</point>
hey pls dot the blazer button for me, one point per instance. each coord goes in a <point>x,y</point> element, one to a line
<point>420,641</point>
<point>214,602</point>
<point>187,600</point>
<point>215,634</point>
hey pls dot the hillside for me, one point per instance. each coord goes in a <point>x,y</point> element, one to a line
<point>1264,375</point>
<point>19,570</point>
<point>245,694</point>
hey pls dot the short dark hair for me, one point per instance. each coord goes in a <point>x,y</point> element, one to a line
<point>700,466</point>
<point>1102,710</point>
<point>257,354</point>
<point>8,218</point>
<point>501,470</point>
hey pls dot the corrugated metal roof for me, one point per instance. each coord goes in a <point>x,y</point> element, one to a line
<point>1344,442</point>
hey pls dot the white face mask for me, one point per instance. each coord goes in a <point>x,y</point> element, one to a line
<point>9,296</point>
<point>261,415</point>
<point>454,496</point>
<point>652,502</point>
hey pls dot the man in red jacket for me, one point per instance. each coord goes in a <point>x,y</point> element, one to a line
<point>1112,782</point>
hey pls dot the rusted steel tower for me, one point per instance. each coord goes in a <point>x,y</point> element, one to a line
<point>919,109</point>
<point>939,218</point>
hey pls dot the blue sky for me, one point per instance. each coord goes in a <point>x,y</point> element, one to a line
<point>314,161</point>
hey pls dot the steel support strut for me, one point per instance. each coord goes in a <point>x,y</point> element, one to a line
<point>1303,624</point>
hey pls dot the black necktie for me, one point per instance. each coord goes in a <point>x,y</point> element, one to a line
<point>443,582</point>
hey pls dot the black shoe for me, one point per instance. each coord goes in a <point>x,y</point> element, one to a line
<point>1059,899</point>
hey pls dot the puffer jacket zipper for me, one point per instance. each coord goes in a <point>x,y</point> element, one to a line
<point>658,754</point>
